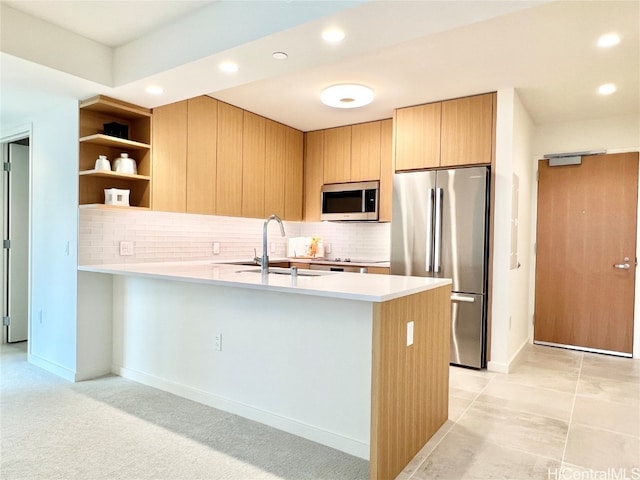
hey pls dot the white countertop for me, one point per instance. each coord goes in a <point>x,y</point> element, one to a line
<point>350,286</point>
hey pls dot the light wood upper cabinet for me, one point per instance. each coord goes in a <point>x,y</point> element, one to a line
<point>467,130</point>
<point>170,157</point>
<point>275,172</point>
<point>365,152</point>
<point>386,170</point>
<point>313,174</point>
<point>417,137</point>
<point>253,165</point>
<point>229,160</point>
<point>202,130</point>
<point>294,175</point>
<point>337,154</point>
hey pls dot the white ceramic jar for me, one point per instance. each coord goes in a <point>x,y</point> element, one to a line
<point>124,164</point>
<point>102,163</point>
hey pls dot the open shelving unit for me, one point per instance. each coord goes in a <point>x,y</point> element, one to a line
<point>94,113</point>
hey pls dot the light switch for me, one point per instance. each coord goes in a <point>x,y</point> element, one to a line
<point>216,248</point>
<point>409,334</point>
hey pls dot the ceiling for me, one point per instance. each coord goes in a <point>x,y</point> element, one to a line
<point>409,52</point>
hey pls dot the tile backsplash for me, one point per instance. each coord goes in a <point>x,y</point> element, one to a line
<point>168,237</point>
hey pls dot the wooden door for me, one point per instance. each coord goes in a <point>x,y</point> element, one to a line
<point>229,160</point>
<point>275,171</point>
<point>467,131</point>
<point>202,132</point>
<point>417,137</point>
<point>386,170</point>
<point>313,174</point>
<point>169,176</point>
<point>337,154</point>
<point>253,165</point>
<point>365,151</point>
<point>293,192</point>
<point>587,218</point>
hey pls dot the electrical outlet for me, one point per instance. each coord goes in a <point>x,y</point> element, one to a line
<point>126,248</point>
<point>216,248</point>
<point>327,248</point>
<point>409,333</point>
<point>218,342</point>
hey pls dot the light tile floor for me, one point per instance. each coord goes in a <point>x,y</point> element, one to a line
<point>559,415</point>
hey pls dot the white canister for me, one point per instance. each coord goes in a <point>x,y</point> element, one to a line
<point>124,164</point>
<point>102,163</point>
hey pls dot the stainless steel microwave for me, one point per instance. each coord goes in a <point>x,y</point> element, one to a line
<point>350,201</point>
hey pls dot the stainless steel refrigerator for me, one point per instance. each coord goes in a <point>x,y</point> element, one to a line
<point>440,228</point>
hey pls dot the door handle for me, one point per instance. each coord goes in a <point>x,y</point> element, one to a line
<point>622,266</point>
<point>462,298</point>
<point>437,249</point>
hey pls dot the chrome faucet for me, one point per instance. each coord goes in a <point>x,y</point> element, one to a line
<point>264,263</point>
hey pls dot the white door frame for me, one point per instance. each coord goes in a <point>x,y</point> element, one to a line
<point>7,137</point>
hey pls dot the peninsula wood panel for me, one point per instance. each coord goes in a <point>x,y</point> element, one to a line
<point>253,165</point>
<point>386,170</point>
<point>365,151</point>
<point>467,131</point>
<point>410,384</point>
<point>337,155</point>
<point>313,174</point>
<point>294,180</point>
<point>229,160</point>
<point>417,137</point>
<point>275,171</point>
<point>169,180</point>
<point>202,133</point>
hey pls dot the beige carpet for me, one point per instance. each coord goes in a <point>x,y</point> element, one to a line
<point>113,428</point>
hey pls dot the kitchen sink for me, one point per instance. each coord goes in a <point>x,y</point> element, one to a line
<point>287,271</point>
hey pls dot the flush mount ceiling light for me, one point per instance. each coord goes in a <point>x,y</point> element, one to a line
<point>347,96</point>
<point>155,90</point>
<point>606,89</point>
<point>333,35</point>
<point>228,67</point>
<point>279,55</point>
<point>608,40</point>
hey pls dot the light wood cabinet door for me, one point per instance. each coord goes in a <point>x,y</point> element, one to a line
<point>229,160</point>
<point>467,126</point>
<point>169,181</point>
<point>313,174</point>
<point>365,152</point>
<point>386,170</point>
<point>417,137</point>
<point>202,121</point>
<point>275,171</point>
<point>253,165</point>
<point>337,154</point>
<point>294,180</point>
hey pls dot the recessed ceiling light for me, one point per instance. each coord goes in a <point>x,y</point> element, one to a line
<point>155,90</point>
<point>279,55</point>
<point>228,67</point>
<point>347,96</point>
<point>608,40</point>
<point>333,35</point>
<point>606,89</point>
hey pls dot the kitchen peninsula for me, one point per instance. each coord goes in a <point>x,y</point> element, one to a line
<point>356,362</point>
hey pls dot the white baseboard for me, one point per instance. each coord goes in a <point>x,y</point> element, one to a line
<point>502,367</point>
<point>52,367</point>
<point>310,432</point>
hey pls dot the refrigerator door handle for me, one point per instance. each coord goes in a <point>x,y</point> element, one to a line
<point>462,298</point>
<point>429,234</point>
<point>437,251</point>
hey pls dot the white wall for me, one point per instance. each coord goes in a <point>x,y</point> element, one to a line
<point>510,287</point>
<point>54,233</point>
<point>614,134</point>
